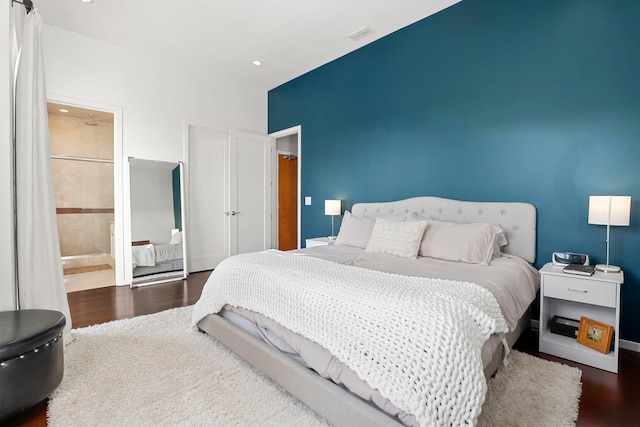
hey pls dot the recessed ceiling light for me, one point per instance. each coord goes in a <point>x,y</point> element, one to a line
<point>360,34</point>
<point>86,1</point>
<point>257,63</point>
<point>62,110</point>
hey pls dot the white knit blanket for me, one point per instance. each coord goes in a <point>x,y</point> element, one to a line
<point>416,340</point>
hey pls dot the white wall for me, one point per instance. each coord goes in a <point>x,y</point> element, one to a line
<point>155,98</point>
<point>288,144</point>
<point>7,295</point>
<point>152,215</point>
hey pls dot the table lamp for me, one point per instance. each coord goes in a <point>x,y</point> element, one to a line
<point>609,210</point>
<point>333,208</point>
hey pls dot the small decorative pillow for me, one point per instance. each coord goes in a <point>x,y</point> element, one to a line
<point>354,231</point>
<point>473,243</point>
<point>401,238</point>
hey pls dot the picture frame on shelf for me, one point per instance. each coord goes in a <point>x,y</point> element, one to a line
<point>594,334</point>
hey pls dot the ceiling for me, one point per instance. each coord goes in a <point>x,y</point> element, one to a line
<point>79,113</point>
<point>224,37</point>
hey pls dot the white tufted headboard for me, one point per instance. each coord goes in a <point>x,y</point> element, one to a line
<point>517,219</point>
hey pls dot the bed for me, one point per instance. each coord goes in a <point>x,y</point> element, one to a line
<point>151,261</point>
<point>349,397</point>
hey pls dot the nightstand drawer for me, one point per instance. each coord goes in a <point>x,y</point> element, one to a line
<point>580,290</point>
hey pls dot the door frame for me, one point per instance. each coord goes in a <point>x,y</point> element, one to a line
<point>274,178</point>
<point>118,177</point>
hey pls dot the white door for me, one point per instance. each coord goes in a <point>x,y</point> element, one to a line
<point>207,197</point>
<point>250,192</point>
<point>229,198</point>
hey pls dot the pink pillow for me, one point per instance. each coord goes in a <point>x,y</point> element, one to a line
<point>354,231</point>
<point>473,243</point>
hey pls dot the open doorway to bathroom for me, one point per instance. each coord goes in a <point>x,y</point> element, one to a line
<point>82,158</point>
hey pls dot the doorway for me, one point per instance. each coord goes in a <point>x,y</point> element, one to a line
<point>82,159</point>
<point>287,189</point>
<point>287,201</point>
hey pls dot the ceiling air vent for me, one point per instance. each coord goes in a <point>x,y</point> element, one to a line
<point>360,34</point>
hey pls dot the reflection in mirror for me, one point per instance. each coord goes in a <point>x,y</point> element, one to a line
<point>157,232</point>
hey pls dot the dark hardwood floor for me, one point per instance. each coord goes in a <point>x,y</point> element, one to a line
<point>607,399</point>
<point>112,303</point>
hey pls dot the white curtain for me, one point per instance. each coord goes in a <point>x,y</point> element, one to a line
<point>40,275</point>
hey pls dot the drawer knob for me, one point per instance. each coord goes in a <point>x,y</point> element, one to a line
<point>583,291</point>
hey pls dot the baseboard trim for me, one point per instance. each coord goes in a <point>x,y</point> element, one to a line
<point>630,345</point>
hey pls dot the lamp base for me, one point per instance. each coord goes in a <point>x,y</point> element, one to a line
<point>608,268</point>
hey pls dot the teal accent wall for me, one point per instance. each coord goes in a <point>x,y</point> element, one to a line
<point>488,100</point>
<point>177,197</point>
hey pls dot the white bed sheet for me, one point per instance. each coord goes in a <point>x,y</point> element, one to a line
<point>168,252</point>
<point>143,255</point>
<point>152,254</point>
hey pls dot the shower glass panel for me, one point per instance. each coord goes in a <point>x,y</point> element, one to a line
<point>84,195</point>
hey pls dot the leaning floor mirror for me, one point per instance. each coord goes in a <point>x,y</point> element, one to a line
<point>157,230</point>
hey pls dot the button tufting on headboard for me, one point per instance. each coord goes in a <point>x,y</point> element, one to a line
<point>518,219</point>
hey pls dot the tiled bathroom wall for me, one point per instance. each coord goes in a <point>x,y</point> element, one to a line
<point>83,188</point>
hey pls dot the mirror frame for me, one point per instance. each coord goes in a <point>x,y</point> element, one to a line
<point>129,240</point>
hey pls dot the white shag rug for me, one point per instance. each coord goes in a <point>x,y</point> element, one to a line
<point>156,370</point>
<point>532,392</point>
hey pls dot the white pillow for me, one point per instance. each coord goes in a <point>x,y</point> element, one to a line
<point>473,243</point>
<point>176,238</point>
<point>401,238</point>
<point>354,231</point>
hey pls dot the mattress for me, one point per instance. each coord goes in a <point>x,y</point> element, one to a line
<point>511,280</point>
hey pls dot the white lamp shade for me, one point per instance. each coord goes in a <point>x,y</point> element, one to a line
<point>332,207</point>
<point>609,210</point>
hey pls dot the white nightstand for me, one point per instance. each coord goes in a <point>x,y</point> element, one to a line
<point>317,241</point>
<point>573,296</point>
